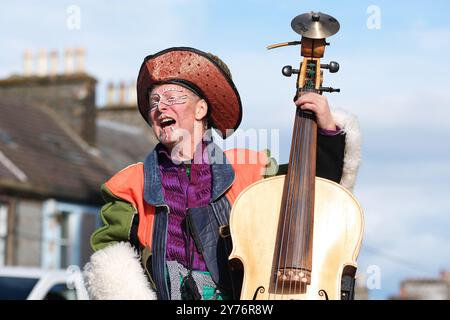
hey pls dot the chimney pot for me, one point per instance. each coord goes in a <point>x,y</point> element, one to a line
<point>132,94</point>
<point>53,70</point>
<point>69,61</point>
<point>110,94</point>
<point>122,93</point>
<point>42,63</point>
<point>80,55</point>
<point>27,63</point>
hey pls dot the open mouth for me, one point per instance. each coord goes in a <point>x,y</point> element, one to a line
<point>167,122</point>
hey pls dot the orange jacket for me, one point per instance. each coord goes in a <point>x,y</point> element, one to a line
<point>128,185</point>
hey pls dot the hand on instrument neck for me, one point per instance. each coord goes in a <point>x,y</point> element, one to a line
<point>319,105</point>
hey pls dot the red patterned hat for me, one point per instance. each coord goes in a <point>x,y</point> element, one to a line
<point>203,73</point>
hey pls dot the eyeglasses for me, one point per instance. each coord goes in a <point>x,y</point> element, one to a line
<point>156,100</point>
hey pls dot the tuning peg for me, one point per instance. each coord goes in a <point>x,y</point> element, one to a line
<point>284,44</point>
<point>288,71</point>
<point>329,89</point>
<point>333,66</point>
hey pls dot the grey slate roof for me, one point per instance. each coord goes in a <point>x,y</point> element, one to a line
<point>122,144</point>
<point>55,161</point>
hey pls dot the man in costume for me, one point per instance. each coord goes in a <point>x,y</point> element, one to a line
<point>165,232</point>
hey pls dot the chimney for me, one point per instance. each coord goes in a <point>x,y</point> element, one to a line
<point>42,63</point>
<point>80,54</point>
<point>110,94</point>
<point>122,93</point>
<point>403,292</point>
<point>69,61</point>
<point>53,61</point>
<point>73,98</point>
<point>445,275</point>
<point>27,63</point>
<point>132,94</point>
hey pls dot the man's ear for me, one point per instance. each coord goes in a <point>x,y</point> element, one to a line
<point>201,109</point>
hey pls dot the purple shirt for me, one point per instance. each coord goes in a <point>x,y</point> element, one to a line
<point>180,193</point>
<point>326,132</point>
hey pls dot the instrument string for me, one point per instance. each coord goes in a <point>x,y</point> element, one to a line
<point>299,202</point>
<point>303,200</point>
<point>290,200</point>
<point>295,190</point>
<point>306,212</point>
<point>290,193</point>
<point>280,244</point>
<point>299,192</point>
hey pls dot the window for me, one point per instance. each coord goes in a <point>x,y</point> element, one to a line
<point>65,241</point>
<point>3,233</point>
<point>66,232</point>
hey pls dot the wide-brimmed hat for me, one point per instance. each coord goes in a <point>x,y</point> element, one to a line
<point>203,73</point>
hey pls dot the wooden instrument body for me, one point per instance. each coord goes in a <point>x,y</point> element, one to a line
<point>337,237</point>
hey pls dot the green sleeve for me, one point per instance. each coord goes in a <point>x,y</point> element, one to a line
<point>272,168</point>
<point>117,216</point>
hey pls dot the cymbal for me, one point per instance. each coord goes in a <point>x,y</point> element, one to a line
<point>315,25</point>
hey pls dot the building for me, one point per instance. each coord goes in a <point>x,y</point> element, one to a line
<point>122,135</point>
<point>425,289</point>
<point>56,149</point>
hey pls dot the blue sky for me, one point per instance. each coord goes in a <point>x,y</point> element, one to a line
<point>394,79</point>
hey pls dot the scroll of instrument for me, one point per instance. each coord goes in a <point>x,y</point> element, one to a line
<point>297,236</point>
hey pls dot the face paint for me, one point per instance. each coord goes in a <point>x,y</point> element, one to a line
<point>167,97</point>
<point>172,111</point>
<point>164,90</point>
<point>168,100</point>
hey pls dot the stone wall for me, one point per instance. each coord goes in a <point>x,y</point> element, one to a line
<point>128,115</point>
<point>123,114</point>
<point>71,96</point>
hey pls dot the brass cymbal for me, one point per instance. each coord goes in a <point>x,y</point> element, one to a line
<point>315,25</point>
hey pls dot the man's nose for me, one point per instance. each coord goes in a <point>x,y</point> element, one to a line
<point>162,107</point>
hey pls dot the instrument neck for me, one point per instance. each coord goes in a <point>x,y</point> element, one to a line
<point>293,259</point>
<point>302,161</point>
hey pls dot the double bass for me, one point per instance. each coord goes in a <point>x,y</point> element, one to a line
<point>298,236</point>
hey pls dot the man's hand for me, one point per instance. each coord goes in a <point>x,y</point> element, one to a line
<point>319,105</point>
